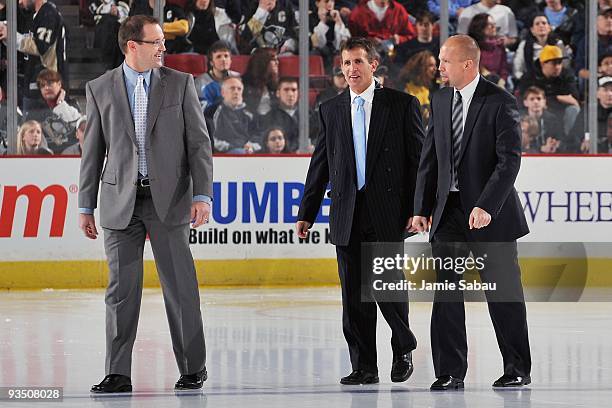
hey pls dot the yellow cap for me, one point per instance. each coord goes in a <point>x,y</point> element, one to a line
<point>550,52</point>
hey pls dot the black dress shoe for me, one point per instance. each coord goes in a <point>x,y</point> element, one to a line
<point>191,381</point>
<point>359,377</point>
<point>402,368</point>
<point>512,381</point>
<point>113,383</point>
<point>447,382</point>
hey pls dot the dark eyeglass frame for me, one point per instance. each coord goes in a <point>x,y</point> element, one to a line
<point>157,43</point>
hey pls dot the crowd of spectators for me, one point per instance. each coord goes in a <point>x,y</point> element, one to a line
<point>536,49</point>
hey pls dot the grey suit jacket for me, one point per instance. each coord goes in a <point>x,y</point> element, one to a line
<point>179,156</point>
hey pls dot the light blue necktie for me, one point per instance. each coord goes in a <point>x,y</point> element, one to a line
<point>359,140</point>
<point>140,123</point>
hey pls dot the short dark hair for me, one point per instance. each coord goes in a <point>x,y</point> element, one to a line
<point>360,42</point>
<point>533,90</point>
<point>425,15</point>
<point>218,46</point>
<point>288,80</point>
<point>47,75</point>
<point>131,29</point>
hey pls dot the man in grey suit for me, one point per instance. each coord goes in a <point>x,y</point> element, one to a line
<point>147,121</point>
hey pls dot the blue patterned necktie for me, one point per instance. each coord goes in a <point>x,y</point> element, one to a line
<point>140,123</point>
<point>359,140</point>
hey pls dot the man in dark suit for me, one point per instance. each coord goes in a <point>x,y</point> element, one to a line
<point>368,150</point>
<point>148,152</point>
<point>470,160</point>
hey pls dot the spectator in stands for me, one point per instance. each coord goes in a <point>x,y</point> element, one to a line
<point>528,51</point>
<point>338,86</point>
<point>558,82</point>
<point>77,148</point>
<point>204,31</point>
<point>604,119</point>
<point>561,19</point>
<point>604,66</point>
<point>285,114</point>
<point>529,134</point>
<point>208,84</point>
<point>418,75</point>
<point>30,139</point>
<point>44,44</point>
<point>493,60</point>
<point>176,25</point>
<point>455,8</point>
<point>604,41</point>
<point>424,40</point>
<point>386,22</point>
<point>274,141</point>
<point>503,16</point>
<point>55,111</point>
<point>234,128</point>
<point>108,16</point>
<point>270,24</point>
<point>550,130</point>
<point>327,31</point>
<point>261,81</point>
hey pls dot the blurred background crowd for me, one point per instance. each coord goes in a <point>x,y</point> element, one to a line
<point>244,57</point>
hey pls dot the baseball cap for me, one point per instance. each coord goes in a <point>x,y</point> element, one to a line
<point>551,52</point>
<point>605,80</point>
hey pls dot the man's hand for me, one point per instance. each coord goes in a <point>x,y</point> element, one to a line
<point>568,100</point>
<point>267,5</point>
<point>302,228</point>
<point>479,218</point>
<point>62,96</point>
<point>420,224</point>
<point>335,15</point>
<point>87,224</point>
<point>200,211</point>
<point>550,146</point>
<point>409,226</point>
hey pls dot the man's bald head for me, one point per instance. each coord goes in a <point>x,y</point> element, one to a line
<point>459,61</point>
<point>465,47</point>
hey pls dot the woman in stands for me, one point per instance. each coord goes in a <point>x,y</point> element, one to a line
<point>493,59</point>
<point>528,51</point>
<point>210,24</point>
<point>261,80</point>
<point>419,75</point>
<point>30,139</point>
<point>274,141</point>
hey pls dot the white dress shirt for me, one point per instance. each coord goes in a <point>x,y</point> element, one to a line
<point>368,97</point>
<point>467,94</point>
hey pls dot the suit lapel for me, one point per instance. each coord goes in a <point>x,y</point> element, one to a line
<point>447,114</point>
<point>156,93</point>
<point>376,133</point>
<point>477,102</point>
<point>123,102</point>
<point>346,131</point>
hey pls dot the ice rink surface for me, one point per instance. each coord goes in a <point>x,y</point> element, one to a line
<point>284,348</point>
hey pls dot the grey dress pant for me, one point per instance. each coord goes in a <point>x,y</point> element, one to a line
<point>177,275</point>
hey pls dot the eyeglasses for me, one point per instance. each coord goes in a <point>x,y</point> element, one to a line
<point>156,43</point>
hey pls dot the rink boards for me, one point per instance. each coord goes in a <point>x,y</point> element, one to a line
<point>251,239</point>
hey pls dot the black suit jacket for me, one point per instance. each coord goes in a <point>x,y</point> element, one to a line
<point>489,163</point>
<point>394,144</point>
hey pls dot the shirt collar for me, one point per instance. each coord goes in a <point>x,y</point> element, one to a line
<point>367,95</point>
<point>468,91</point>
<point>132,75</point>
